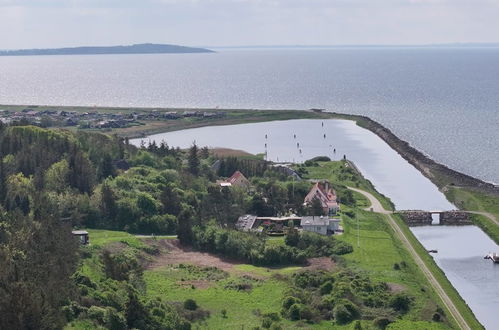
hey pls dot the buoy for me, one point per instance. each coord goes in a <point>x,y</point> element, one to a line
<point>322,124</point>
<point>297,144</point>
<point>324,135</point>
<point>294,135</point>
<point>265,135</point>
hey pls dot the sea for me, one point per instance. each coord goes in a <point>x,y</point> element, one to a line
<point>444,101</point>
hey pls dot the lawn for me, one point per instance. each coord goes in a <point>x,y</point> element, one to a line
<point>242,307</point>
<point>383,258</point>
<point>477,201</point>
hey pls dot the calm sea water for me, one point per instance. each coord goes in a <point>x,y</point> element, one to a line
<point>443,101</point>
<point>460,249</point>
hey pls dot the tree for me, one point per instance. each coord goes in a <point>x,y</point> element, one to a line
<point>56,176</point>
<point>316,207</point>
<point>19,193</point>
<point>193,160</point>
<point>401,302</point>
<point>170,200</point>
<point>184,230</point>
<point>107,204</point>
<point>205,152</point>
<point>106,167</point>
<point>37,258</point>
<point>135,313</point>
<point>3,187</point>
<point>293,237</point>
<point>81,172</point>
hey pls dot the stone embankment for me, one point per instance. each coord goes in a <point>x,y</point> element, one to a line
<point>416,218</point>
<point>455,218</point>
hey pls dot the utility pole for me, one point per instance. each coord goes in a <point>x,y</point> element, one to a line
<point>358,234</point>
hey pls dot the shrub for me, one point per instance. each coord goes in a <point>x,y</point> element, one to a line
<point>294,312</point>
<point>381,322</point>
<point>400,302</point>
<point>190,304</point>
<point>345,312</point>
<point>97,314</point>
<point>289,301</point>
<point>306,313</point>
<point>326,287</point>
<point>114,320</point>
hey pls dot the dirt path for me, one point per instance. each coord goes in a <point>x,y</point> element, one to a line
<point>487,215</point>
<point>451,307</point>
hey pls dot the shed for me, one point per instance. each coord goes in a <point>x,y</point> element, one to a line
<point>82,236</point>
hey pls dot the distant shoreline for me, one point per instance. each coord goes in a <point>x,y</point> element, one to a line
<point>107,50</point>
<point>441,175</point>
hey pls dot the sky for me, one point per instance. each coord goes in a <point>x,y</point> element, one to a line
<point>61,23</point>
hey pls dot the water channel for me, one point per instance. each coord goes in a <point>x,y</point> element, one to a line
<point>460,249</point>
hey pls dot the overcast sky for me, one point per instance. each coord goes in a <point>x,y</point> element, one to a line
<point>57,23</point>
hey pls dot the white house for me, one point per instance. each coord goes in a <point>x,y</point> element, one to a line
<point>320,224</point>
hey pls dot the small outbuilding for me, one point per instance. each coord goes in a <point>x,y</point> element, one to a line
<point>82,236</point>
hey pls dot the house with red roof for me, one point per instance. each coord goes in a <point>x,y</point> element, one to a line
<point>326,195</point>
<point>237,179</point>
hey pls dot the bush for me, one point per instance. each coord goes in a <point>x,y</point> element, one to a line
<point>289,301</point>
<point>381,322</point>
<point>114,320</point>
<point>326,287</point>
<point>294,312</point>
<point>345,312</point>
<point>190,304</point>
<point>97,314</point>
<point>400,302</point>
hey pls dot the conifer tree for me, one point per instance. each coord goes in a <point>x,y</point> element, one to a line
<point>193,160</point>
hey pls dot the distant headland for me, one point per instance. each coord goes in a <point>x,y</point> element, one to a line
<point>100,50</point>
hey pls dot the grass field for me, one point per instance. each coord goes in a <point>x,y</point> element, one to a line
<point>378,253</point>
<point>478,201</point>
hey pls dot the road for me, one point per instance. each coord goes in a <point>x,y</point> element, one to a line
<point>449,304</point>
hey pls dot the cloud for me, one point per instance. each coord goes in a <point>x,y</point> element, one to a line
<point>42,23</point>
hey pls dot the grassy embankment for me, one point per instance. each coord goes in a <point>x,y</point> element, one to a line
<point>471,200</point>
